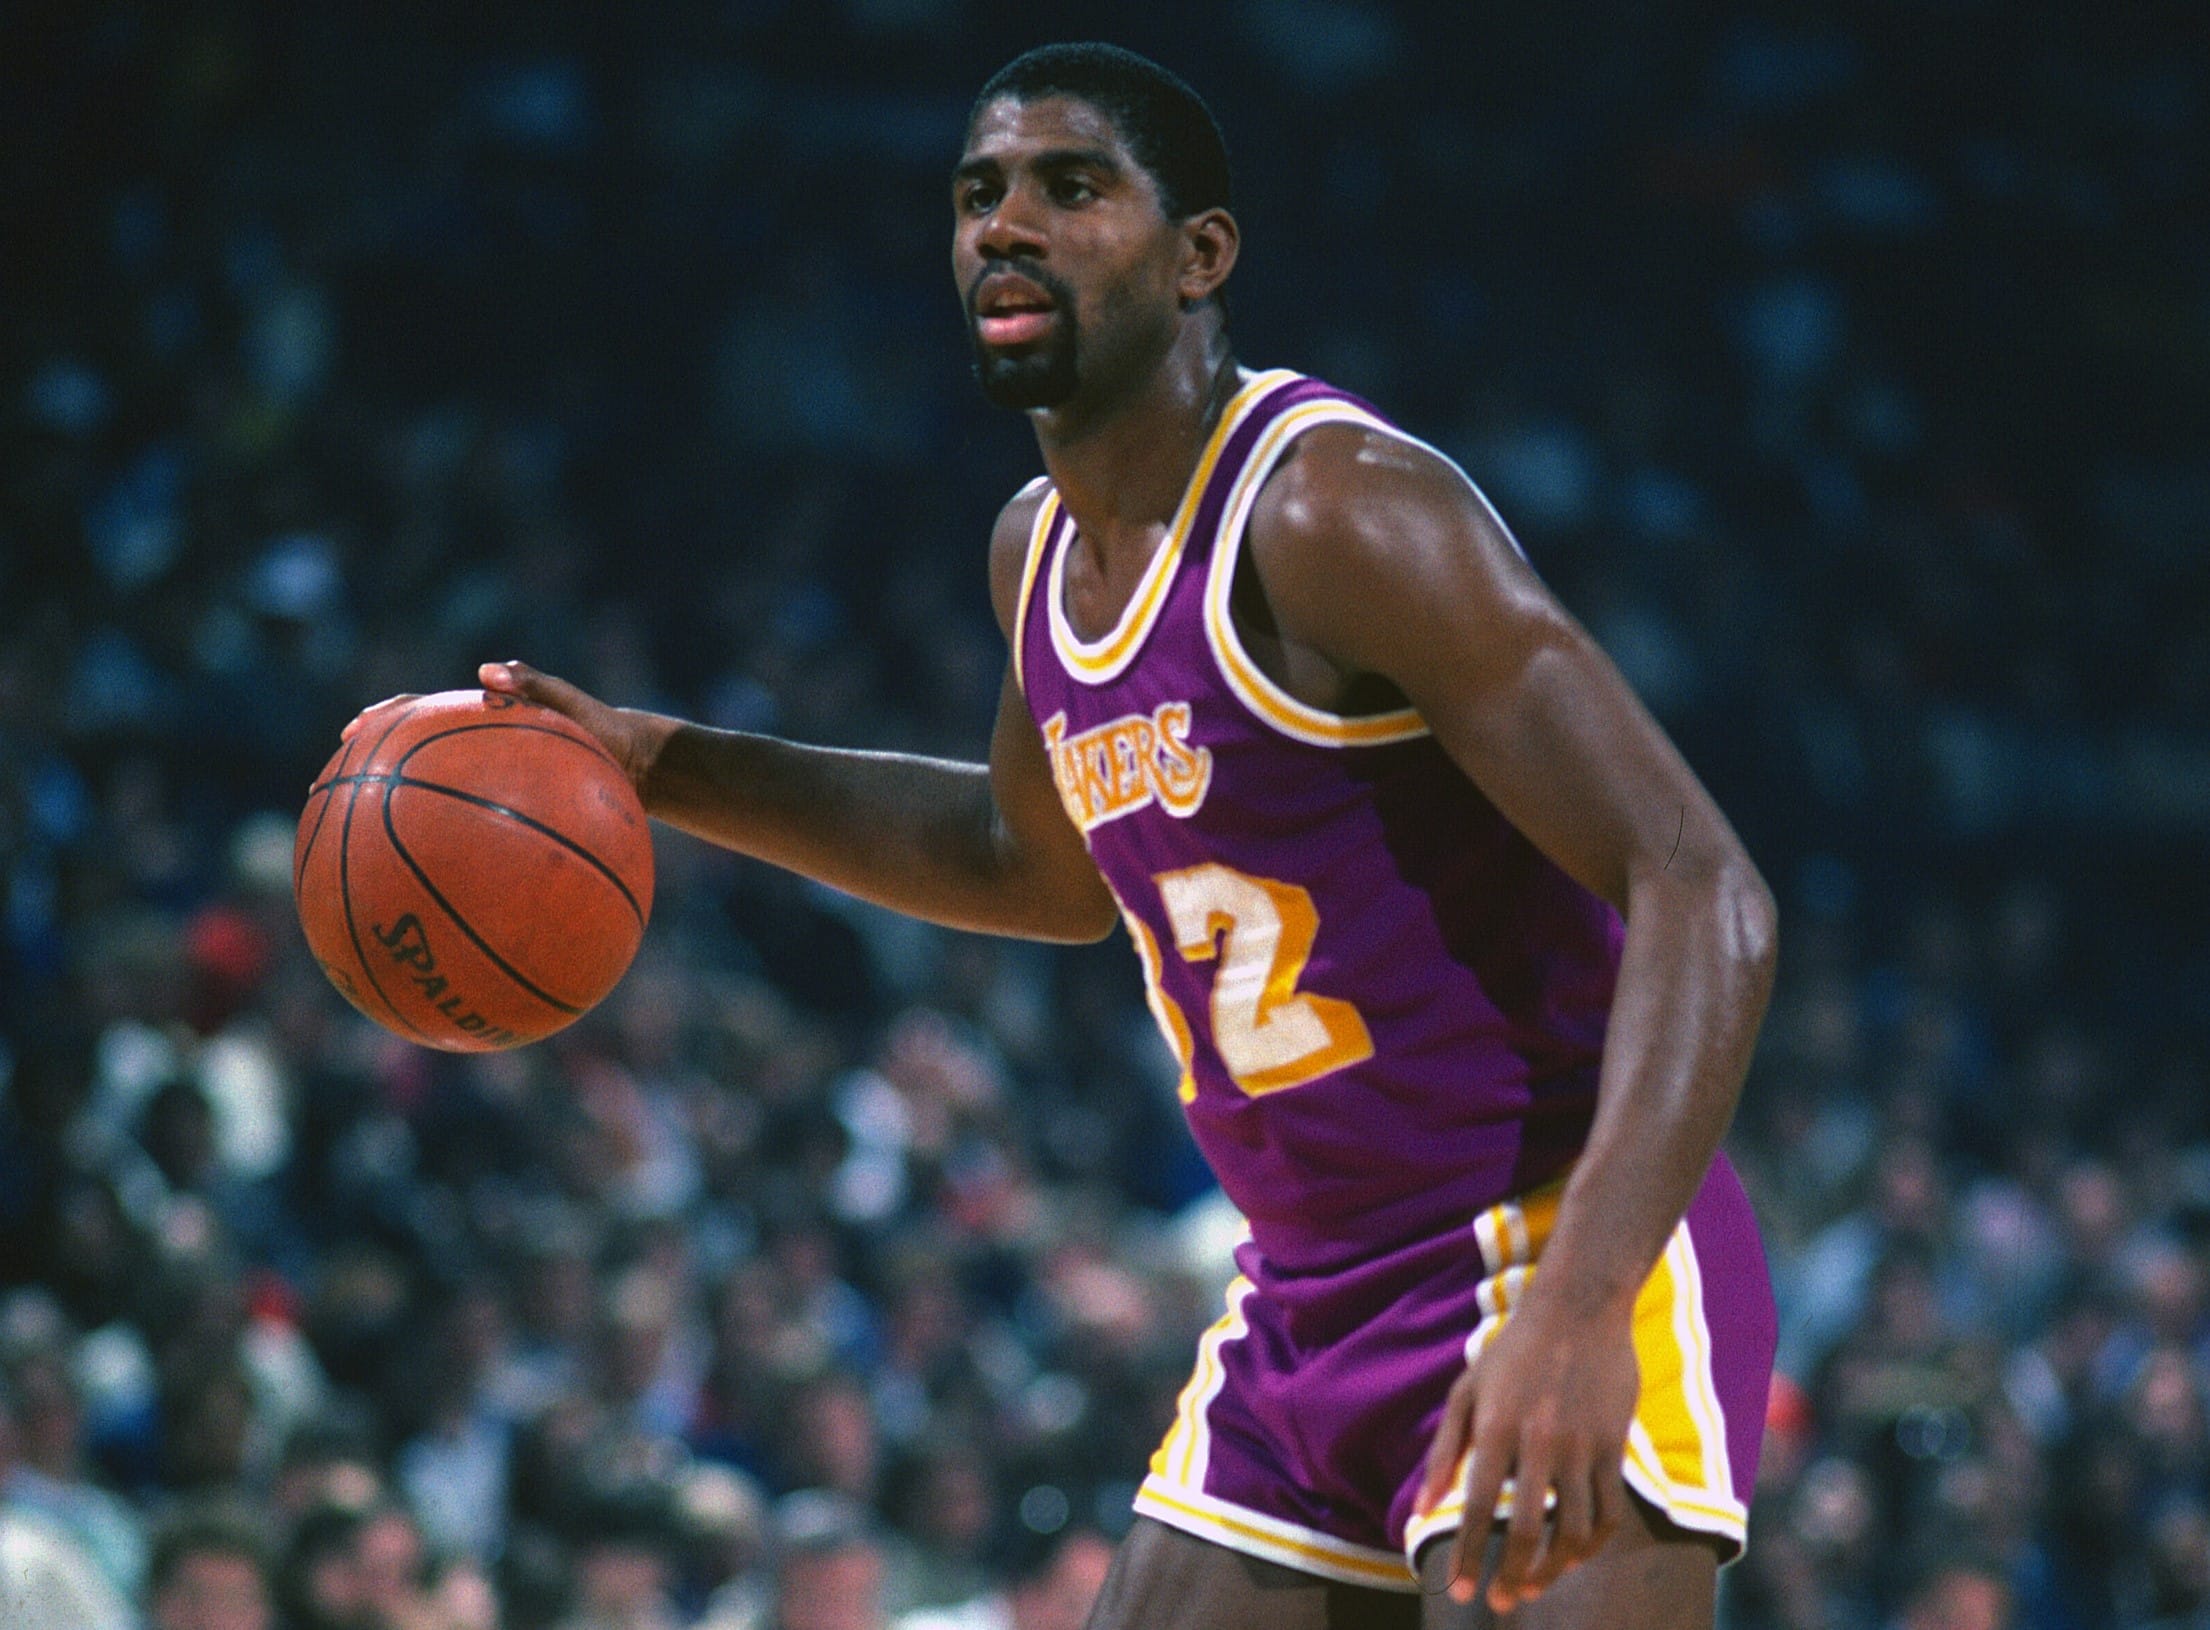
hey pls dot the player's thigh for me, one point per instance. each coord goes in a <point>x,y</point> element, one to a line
<point>1164,1579</point>
<point>1651,1576</point>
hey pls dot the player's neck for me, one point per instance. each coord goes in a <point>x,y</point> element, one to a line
<point>1122,467</point>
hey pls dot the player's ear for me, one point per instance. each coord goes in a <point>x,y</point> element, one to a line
<point>1210,243</point>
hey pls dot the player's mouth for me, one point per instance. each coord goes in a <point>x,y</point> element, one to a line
<point>1011,310</point>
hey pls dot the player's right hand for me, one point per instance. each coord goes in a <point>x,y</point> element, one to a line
<point>631,736</point>
<point>1547,1405</point>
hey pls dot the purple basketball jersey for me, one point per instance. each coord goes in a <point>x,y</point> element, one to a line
<point>1389,1006</point>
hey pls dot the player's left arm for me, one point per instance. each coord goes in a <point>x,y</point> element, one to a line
<point>1379,558</point>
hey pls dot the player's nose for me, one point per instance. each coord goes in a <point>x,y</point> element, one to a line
<point>1013,228</point>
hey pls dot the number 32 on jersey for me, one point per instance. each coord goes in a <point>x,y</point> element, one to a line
<point>1269,1034</point>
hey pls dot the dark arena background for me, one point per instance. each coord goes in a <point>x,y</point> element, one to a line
<point>1844,368</point>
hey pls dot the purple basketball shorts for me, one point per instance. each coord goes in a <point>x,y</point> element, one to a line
<point>1302,1435</point>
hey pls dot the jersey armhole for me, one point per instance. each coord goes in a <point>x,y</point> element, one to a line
<point>1261,695</point>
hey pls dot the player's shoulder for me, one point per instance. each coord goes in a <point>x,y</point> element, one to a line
<point>1361,531</point>
<point>1009,541</point>
<point>1018,518</point>
<point>1346,486</point>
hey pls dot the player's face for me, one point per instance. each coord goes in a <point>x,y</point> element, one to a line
<point>1063,256</point>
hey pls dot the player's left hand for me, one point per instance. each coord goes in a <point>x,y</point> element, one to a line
<point>1547,1404</point>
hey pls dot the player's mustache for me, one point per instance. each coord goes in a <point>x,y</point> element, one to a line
<point>1028,272</point>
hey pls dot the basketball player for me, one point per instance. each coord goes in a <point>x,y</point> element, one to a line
<point>1461,964</point>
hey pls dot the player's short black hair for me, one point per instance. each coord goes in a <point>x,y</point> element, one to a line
<point>1165,124</point>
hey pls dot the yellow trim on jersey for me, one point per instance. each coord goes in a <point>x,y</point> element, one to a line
<point>1676,1450</point>
<point>1039,531</point>
<point>1098,661</point>
<point>1255,1534</point>
<point>1250,683</point>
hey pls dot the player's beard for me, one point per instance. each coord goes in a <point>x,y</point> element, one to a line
<point>1039,376</point>
<point>1044,375</point>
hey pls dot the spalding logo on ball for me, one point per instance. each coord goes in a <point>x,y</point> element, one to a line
<point>473,872</point>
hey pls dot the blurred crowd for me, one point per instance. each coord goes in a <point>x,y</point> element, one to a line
<point>1844,369</point>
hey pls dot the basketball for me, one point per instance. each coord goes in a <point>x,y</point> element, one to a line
<point>473,871</point>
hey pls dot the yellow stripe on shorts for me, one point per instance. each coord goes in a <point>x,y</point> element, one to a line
<point>1676,1451</point>
<point>1183,1456</point>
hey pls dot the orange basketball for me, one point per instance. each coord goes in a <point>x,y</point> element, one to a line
<point>473,871</point>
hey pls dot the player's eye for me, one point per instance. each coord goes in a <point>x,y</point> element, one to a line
<point>1071,189</point>
<point>976,198</point>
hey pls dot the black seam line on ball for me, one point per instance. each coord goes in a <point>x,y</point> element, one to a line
<point>507,810</point>
<point>400,770</point>
<point>307,851</point>
<point>345,893</point>
<point>462,923</point>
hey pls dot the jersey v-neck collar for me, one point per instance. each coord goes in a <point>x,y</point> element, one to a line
<point>1104,659</point>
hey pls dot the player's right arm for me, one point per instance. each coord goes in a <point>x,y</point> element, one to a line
<point>982,847</point>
